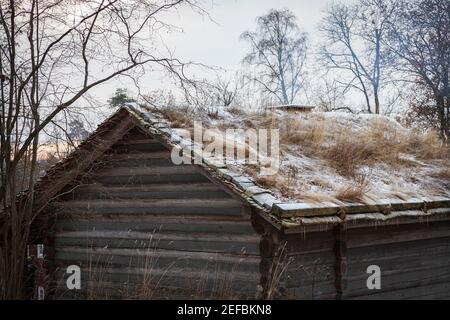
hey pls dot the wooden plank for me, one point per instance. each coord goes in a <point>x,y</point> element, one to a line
<point>109,257</point>
<point>135,275</point>
<point>135,156</point>
<point>145,171</point>
<point>317,267</point>
<point>391,234</point>
<point>406,278</point>
<point>165,191</point>
<point>145,195</point>
<point>138,133</point>
<point>399,249</point>
<point>317,291</point>
<point>226,213</point>
<point>160,278</point>
<point>167,287</point>
<point>225,186</point>
<point>231,224</point>
<point>287,210</point>
<point>131,140</point>
<point>156,179</point>
<point>135,235</point>
<point>152,204</point>
<point>175,187</point>
<point>130,163</point>
<point>248,244</point>
<point>437,259</point>
<point>158,219</point>
<point>213,246</point>
<point>309,242</point>
<point>433,215</point>
<point>426,288</point>
<point>136,148</point>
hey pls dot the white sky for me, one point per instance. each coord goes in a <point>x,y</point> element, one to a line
<point>216,43</point>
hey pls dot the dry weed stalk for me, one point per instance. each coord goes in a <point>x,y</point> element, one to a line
<point>356,191</point>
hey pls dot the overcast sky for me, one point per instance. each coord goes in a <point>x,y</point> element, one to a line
<point>216,43</point>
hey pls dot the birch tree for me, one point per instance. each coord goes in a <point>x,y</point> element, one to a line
<point>354,46</point>
<point>278,54</point>
<point>52,54</point>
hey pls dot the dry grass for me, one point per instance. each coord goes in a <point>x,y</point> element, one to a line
<point>178,117</point>
<point>443,174</point>
<point>354,192</point>
<point>150,279</point>
<point>266,181</point>
<point>306,133</point>
<point>426,146</point>
<point>323,141</point>
<point>381,143</point>
<point>278,270</point>
<point>347,155</point>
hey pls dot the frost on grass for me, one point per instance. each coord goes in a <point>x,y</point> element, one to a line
<point>335,157</point>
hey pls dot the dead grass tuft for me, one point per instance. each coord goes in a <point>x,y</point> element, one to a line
<point>354,192</point>
<point>443,174</point>
<point>426,146</point>
<point>267,181</point>
<point>306,133</point>
<point>180,117</point>
<point>347,155</point>
<point>381,143</point>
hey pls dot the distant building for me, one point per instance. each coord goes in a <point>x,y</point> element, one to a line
<point>294,108</point>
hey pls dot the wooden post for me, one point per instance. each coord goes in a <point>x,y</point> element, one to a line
<point>340,250</point>
<point>36,258</point>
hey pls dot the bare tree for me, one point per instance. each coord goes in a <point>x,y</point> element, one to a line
<point>329,96</point>
<point>226,90</point>
<point>420,36</point>
<point>52,53</point>
<point>355,35</point>
<point>278,52</point>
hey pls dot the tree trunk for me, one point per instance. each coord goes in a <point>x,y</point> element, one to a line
<point>377,72</point>
<point>443,117</point>
<point>377,102</point>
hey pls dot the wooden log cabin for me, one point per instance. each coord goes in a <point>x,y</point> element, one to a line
<point>139,226</point>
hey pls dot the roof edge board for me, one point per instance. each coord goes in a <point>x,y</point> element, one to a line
<point>288,210</point>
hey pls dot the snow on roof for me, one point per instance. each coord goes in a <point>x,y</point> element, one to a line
<point>308,179</point>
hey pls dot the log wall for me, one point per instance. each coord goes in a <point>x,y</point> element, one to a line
<point>414,259</point>
<point>141,227</point>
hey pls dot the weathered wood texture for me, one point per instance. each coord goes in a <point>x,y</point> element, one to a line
<point>414,260</point>
<point>77,162</point>
<point>141,227</point>
<point>310,267</point>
